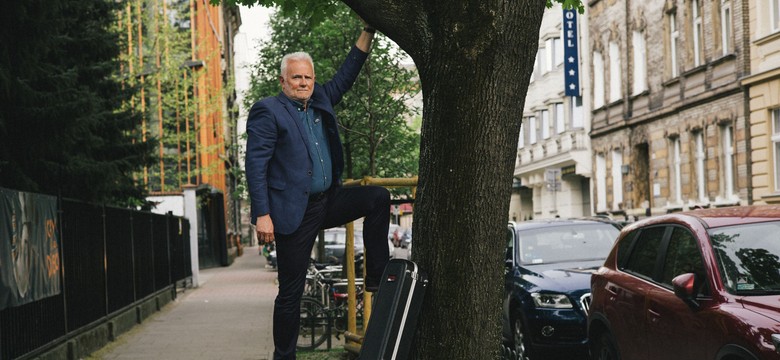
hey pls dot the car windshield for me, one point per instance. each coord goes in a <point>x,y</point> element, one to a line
<point>566,242</point>
<point>748,257</point>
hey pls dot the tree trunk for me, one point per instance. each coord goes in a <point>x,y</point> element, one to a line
<point>474,59</point>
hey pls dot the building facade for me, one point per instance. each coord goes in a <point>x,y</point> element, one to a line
<point>764,89</point>
<point>553,165</point>
<point>669,120</point>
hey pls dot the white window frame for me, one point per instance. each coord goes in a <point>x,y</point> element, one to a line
<point>617,178</point>
<point>774,15</point>
<point>577,115</point>
<point>601,183</point>
<point>698,32</point>
<point>727,145</point>
<point>560,118</point>
<point>726,26</point>
<point>615,80</point>
<point>776,145</point>
<point>545,116</point>
<point>532,130</point>
<point>677,164</point>
<point>558,51</point>
<point>701,157</point>
<point>640,62</point>
<point>674,37</point>
<point>544,59</point>
<point>598,80</point>
<point>521,138</point>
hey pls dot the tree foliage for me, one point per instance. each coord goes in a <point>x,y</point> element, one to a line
<point>377,140</point>
<point>63,121</point>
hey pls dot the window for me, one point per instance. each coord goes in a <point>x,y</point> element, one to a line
<point>643,257</point>
<point>728,160</point>
<point>640,67</point>
<point>544,60</point>
<point>775,15</point>
<point>701,157</point>
<point>554,49</point>
<point>560,122</point>
<point>776,145</point>
<point>545,115</point>
<point>677,163</point>
<point>598,80</point>
<point>521,138</point>
<point>615,81</point>
<point>698,35</point>
<point>674,37</point>
<point>532,130</point>
<point>601,183</point>
<point>577,121</point>
<point>683,257</point>
<point>725,26</point>
<point>617,179</point>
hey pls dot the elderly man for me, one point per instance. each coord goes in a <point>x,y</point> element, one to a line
<point>294,161</point>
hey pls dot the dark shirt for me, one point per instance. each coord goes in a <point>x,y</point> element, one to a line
<point>319,151</point>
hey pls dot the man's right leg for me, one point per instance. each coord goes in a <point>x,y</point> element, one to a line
<point>293,252</point>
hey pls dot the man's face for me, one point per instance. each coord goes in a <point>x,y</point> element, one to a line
<point>298,82</point>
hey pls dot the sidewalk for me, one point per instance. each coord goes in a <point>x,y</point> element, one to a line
<point>229,316</point>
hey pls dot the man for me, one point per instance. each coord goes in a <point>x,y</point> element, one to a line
<point>294,162</point>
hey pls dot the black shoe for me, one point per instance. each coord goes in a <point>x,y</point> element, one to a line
<point>372,284</point>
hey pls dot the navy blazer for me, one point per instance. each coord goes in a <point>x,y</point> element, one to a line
<point>278,165</point>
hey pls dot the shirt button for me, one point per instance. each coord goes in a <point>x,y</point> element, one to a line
<point>309,172</point>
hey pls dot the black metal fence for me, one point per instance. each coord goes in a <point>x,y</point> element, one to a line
<point>111,259</point>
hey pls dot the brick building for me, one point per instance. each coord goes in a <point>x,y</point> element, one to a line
<point>764,88</point>
<point>669,119</point>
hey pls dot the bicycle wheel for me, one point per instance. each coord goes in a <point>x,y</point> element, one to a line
<point>314,328</point>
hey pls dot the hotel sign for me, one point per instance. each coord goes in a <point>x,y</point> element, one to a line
<point>571,61</point>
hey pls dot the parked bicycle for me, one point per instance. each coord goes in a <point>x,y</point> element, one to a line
<point>324,307</point>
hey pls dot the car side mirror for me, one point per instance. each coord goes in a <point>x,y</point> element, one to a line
<point>685,287</point>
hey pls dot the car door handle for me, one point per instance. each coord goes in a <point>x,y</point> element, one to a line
<point>654,315</point>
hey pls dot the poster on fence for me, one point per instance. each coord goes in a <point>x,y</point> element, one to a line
<point>29,248</point>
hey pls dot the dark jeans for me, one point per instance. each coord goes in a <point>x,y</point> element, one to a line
<point>293,251</point>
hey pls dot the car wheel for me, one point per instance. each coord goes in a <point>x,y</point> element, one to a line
<point>604,348</point>
<point>519,340</point>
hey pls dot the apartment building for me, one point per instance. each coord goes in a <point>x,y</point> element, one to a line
<point>669,121</point>
<point>764,89</point>
<point>553,165</point>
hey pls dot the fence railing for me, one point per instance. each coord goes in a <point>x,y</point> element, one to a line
<point>112,259</point>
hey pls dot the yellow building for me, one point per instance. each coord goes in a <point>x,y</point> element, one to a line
<point>764,88</point>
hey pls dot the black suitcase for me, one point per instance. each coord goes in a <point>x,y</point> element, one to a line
<point>395,310</point>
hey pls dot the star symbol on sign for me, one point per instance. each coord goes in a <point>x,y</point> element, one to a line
<point>571,59</point>
<point>572,86</point>
<point>572,72</point>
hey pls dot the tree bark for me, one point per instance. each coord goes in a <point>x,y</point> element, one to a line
<point>474,58</point>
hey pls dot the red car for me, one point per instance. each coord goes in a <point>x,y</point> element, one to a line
<point>703,284</point>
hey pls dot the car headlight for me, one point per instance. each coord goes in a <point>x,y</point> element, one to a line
<point>551,301</point>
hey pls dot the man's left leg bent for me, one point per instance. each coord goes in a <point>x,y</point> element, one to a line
<point>373,203</point>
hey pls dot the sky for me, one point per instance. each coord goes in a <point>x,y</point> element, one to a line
<point>254,28</point>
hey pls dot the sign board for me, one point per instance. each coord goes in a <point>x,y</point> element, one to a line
<point>552,179</point>
<point>571,62</point>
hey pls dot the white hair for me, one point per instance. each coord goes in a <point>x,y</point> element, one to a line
<point>296,56</point>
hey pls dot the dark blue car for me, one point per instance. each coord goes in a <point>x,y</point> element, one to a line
<point>547,285</point>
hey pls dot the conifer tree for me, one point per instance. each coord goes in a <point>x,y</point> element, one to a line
<point>64,123</point>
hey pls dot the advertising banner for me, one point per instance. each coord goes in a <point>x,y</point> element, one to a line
<point>29,248</point>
